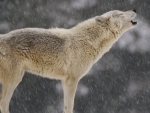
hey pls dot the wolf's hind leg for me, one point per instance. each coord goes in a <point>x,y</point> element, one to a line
<point>9,81</point>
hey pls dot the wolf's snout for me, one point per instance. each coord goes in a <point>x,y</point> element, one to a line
<point>133,15</point>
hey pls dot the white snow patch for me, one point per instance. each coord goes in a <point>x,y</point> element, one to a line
<point>133,111</point>
<point>4,26</point>
<point>80,4</point>
<point>82,90</point>
<point>133,88</point>
<point>132,1</point>
<point>59,87</point>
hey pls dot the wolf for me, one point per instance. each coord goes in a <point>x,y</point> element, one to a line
<point>63,54</point>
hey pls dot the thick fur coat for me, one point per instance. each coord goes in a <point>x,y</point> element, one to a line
<point>64,54</point>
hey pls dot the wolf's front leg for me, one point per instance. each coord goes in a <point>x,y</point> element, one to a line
<point>69,88</point>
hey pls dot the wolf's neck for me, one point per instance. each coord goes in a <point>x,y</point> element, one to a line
<point>101,39</point>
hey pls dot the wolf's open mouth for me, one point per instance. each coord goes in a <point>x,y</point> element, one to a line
<point>133,23</point>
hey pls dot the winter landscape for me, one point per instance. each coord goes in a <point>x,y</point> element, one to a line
<point>118,83</point>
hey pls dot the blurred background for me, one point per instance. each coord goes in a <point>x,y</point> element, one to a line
<point>118,83</point>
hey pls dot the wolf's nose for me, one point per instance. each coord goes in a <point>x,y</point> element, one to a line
<point>134,10</point>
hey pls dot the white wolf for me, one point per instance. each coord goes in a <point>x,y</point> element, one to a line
<point>64,54</point>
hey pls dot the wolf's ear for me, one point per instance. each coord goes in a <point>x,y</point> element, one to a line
<point>100,19</point>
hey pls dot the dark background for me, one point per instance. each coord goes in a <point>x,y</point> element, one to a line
<point>118,83</point>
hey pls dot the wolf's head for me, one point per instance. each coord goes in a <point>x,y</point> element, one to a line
<point>118,20</point>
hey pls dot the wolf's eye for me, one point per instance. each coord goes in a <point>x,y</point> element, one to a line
<point>120,14</point>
